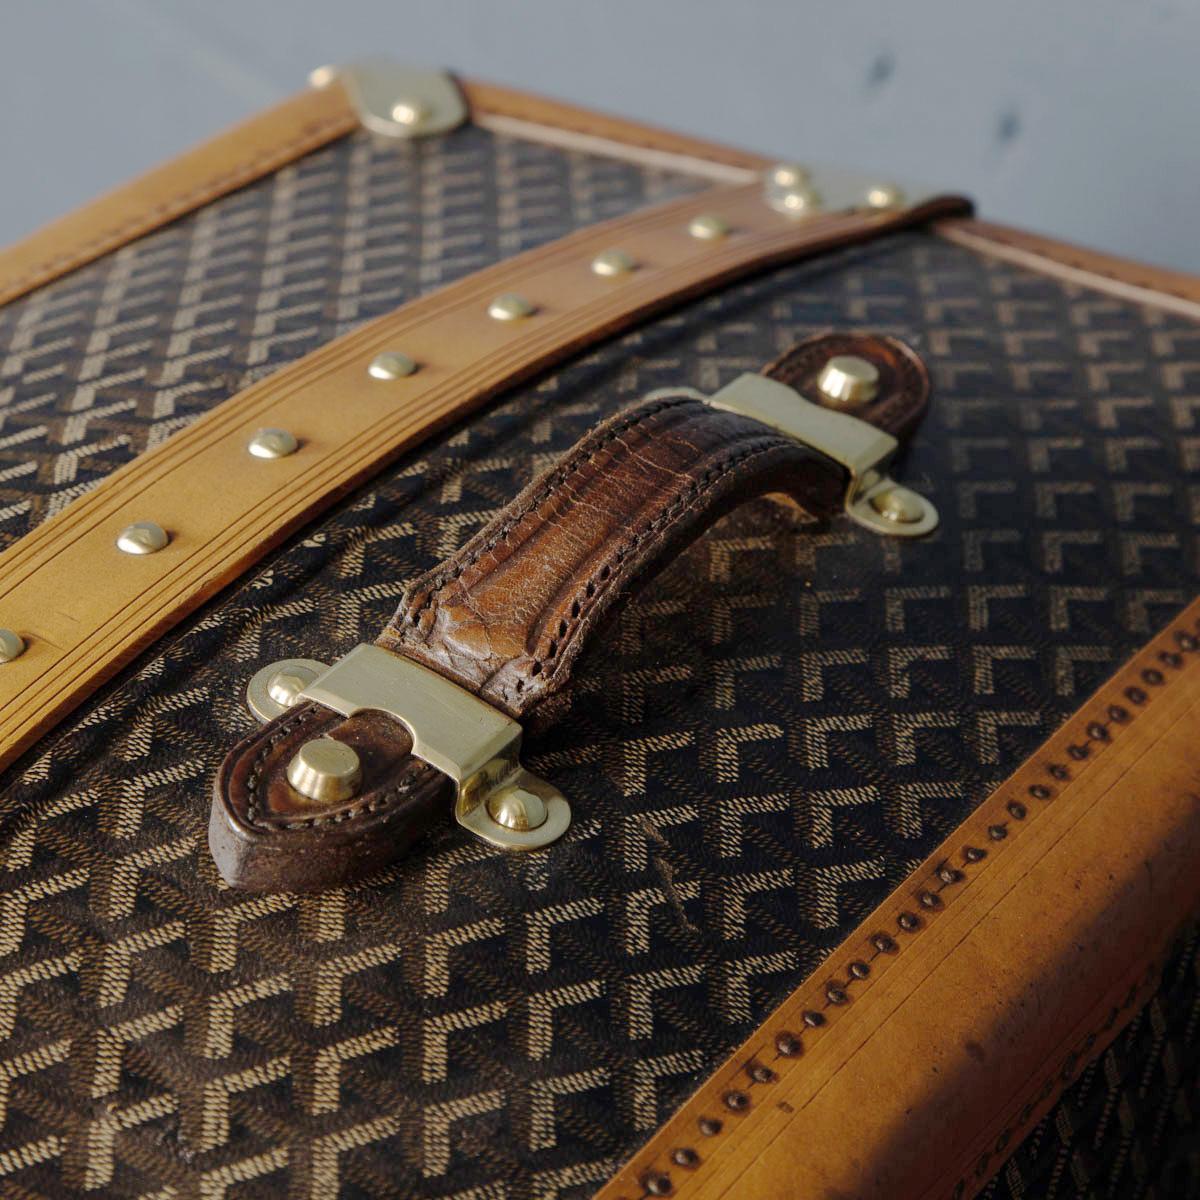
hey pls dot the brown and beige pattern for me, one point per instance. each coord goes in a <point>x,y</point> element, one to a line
<point>784,723</point>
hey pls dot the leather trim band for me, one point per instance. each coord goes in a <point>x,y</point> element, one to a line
<point>972,991</point>
<point>224,509</point>
<point>1132,281</point>
<point>305,122</point>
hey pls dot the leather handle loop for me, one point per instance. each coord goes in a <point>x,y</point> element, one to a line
<point>507,616</point>
<point>510,612</point>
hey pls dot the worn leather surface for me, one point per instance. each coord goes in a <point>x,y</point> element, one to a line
<point>507,616</point>
<point>782,723</point>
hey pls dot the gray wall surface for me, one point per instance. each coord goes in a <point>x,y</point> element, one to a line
<point>1071,117</point>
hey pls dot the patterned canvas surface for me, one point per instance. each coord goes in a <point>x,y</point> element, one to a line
<point>774,733</point>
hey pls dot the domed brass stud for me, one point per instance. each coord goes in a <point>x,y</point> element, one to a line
<point>849,380</point>
<point>708,227</point>
<point>411,113</point>
<point>613,262</point>
<point>517,809</point>
<point>511,307</point>
<point>391,364</point>
<point>900,505</point>
<point>325,770</point>
<point>273,443</point>
<point>788,175</point>
<point>142,537</point>
<point>275,688</point>
<point>12,645</point>
<point>883,196</point>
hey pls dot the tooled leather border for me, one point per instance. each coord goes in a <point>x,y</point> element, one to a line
<point>280,135</point>
<point>676,1161</point>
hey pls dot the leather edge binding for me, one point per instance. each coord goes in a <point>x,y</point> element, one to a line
<point>280,135</point>
<point>1124,278</point>
<point>957,1012</point>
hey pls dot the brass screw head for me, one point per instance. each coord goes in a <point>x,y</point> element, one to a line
<point>322,77</point>
<point>273,443</point>
<point>325,770</point>
<point>883,196</point>
<point>410,113</point>
<point>511,307</point>
<point>285,686</point>
<point>900,505</point>
<point>516,808</point>
<point>391,364</point>
<point>789,175</point>
<point>708,227</point>
<point>849,380</point>
<point>12,645</point>
<point>800,201</point>
<point>613,262</point>
<point>142,537</point>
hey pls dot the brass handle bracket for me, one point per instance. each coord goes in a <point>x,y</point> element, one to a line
<point>464,737</point>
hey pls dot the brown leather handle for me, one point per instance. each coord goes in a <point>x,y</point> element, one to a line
<point>508,615</point>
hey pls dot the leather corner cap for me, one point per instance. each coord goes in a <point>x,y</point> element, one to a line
<point>508,614</point>
<point>265,836</point>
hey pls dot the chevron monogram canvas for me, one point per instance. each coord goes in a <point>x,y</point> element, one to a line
<point>784,723</point>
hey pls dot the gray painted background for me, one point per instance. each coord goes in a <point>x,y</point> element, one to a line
<point>1070,117</point>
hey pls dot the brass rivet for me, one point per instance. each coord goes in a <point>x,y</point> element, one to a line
<point>848,379</point>
<point>322,77</point>
<point>285,686</point>
<point>391,364</point>
<point>798,201</point>
<point>142,537</point>
<point>275,688</point>
<point>511,307</point>
<point>899,505</point>
<point>884,195</point>
<point>708,227</point>
<point>12,645</point>
<point>516,808</point>
<point>325,770</point>
<point>789,175</point>
<point>409,112</point>
<point>613,262</point>
<point>273,443</point>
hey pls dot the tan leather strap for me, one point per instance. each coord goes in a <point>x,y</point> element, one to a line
<point>935,1036</point>
<point>85,609</point>
<point>507,615</point>
<point>269,140</point>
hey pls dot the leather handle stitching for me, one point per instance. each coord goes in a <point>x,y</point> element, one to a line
<point>442,579</point>
<point>591,593</point>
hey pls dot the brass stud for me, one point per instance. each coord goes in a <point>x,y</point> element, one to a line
<point>848,379</point>
<point>275,688</point>
<point>12,645</point>
<point>511,307</point>
<point>516,808</point>
<point>799,201</point>
<point>142,537</point>
<point>900,505</point>
<point>613,262</point>
<point>708,227</point>
<point>410,113</point>
<point>273,443</point>
<point>789,175</point>
<point>391,364</point>
<point>325,770</point>
<point>883,196</point>
<point>322,77</point>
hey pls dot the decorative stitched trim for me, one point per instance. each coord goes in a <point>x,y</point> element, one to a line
<point>441,580</point>
<point>594,589</point>
<point>375,803</point>
<point>1156,671</point>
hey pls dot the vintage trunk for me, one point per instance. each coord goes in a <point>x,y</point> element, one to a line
<point>877,857</point>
